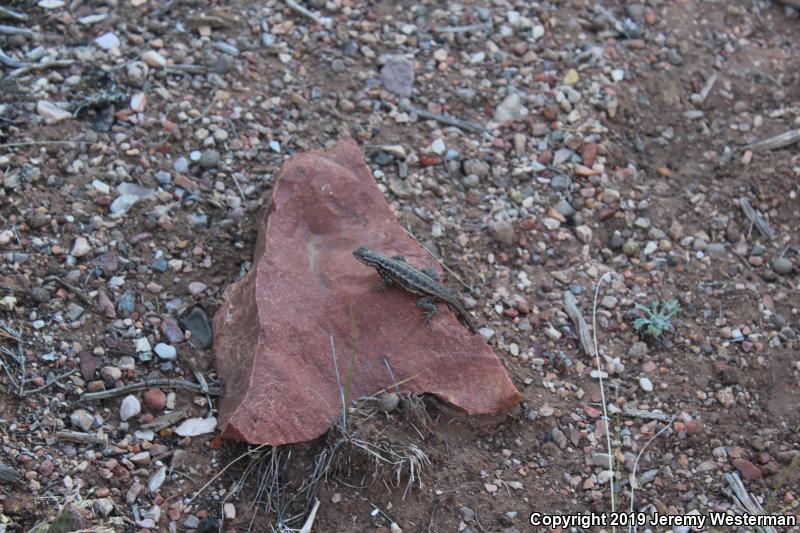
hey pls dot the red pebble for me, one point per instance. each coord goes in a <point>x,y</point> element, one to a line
<point>428,160</point>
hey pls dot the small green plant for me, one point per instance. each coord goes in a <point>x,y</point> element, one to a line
<point>657,317</point>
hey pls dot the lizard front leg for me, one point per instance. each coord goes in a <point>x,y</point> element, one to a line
<point>426,303</point>
<point>386,282</point>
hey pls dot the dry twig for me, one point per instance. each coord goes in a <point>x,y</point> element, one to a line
<point>602,388</point>
<point>450,121</point>
<point>647,415</point>
<point>186,69</point>
<point>578,321</point>
<point>147,384</point>
<point>8,474</point>
<point>11,14</point>
<point>464,29</point>
<point>756,218</point>
<point>40,143</point>
<point>9,61</point>
<point>49,382</point>
<point>745,503</point>
<point>14,30</point>
<point>165,421</point>
<point>316,17</point>
<point>311,516</point>
<point>16,356</point>
<point>444,266</point>
<point>708,86</point>
<point>40,66</point>
<point>782,140</point>
<point>83,438</point>
<point>791,3</point>
<point>633,480</point>
<point>71,288</point>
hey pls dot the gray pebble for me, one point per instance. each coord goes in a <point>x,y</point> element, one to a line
<point>40,295</point>
<point>159,265</point>
<point>81,419</point>
<point>617,240</point>
<point>209,159</point>
<point>397,76</point>
<point>565,208</point>
<point>477,167</point>
<point>561,156</point>
<point>165,352</point>
<point>648,476</point>
<point>609,302</point>
<point>163,178</point>
<point>181,164</point>
<point>630,248</point>
<point>122,204</point>
<point>509,109</point>
<point>74,312</point>
<point>782,266</point>
<point>467,514</point>
<point>502,231</point>
<point>638,350</point>
<point>471,180</point>
<point>602,459</point>
<point>561,183</point>
<point>126,303</point>
<point>196,321</point>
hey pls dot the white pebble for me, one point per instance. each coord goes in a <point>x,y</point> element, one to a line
<point>138,102</point>
<point>142,345</point>
<point>101,186</point>
<point>196,426</point>
<point>51,113</point>
<point>165,351</point>
<point>229,511</point>
<point>107,41</point>
<point>157,479</point>
<point>81,247</point>
<point>153,59</point>
<point>130,407</point>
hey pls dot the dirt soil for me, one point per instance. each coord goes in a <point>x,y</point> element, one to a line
<point>620,141</point>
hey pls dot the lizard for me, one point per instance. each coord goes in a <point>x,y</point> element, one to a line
<point>396,272</point>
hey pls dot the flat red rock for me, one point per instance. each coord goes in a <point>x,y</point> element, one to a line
<point>273,333</point>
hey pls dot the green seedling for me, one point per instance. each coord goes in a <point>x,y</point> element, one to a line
<point>657,317</point>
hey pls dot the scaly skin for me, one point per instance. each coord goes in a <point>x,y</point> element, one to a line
<point>394,271</point>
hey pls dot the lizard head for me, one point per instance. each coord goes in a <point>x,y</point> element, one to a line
<point>366,256</point>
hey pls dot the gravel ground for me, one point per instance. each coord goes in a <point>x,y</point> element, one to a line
<point>138,145</point>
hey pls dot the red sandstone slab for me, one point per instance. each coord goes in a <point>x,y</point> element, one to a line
<point>271,334</point>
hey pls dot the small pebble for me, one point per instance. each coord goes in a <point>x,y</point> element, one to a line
<point>165,352</point>
<point>130,407</point>
<point>782,266</point>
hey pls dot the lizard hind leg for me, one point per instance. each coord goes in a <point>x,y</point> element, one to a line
<point>426,303</point>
